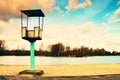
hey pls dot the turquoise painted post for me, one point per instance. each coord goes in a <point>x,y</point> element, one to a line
<point>32,56</point>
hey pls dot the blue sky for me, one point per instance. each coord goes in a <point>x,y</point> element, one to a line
<point>91,23</point>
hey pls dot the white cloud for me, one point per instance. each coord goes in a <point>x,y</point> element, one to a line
<point>115,17</point>
<point>88,34</point>
<point>88,26</point>
<point>72,4</point>
<point>57,8</point>
<point>11,34</point>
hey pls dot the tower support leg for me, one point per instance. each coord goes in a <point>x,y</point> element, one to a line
<point>32,56</point>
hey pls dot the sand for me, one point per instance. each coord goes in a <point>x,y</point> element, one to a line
<point>64,70</point>
<point>99,77</point>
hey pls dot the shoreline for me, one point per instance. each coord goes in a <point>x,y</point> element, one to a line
<point>64,70</point>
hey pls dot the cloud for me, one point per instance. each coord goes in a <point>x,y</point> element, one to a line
<point>88,34</point>
<point>84,4</point>
<point>11,33</point>
<point>46,5</point>
<point>87,27</point>
<point>58,9</point>
<point>10,28</point>
<point>115,17</point>
<point>73,4</point>
<point>11,8</point>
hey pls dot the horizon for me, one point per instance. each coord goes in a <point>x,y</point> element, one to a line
<point>75,23</point>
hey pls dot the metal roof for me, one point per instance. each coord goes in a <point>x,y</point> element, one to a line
<point>33,13</point>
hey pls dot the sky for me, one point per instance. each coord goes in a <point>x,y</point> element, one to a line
<point>91,23</point>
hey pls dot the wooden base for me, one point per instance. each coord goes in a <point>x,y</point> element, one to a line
<point>29,72</point>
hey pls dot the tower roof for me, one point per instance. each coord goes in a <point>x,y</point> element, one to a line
<point>33,13</point>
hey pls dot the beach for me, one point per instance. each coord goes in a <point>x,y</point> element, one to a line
<point>64,70</point>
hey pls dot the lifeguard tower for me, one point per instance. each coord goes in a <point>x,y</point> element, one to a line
<point>31,30</point>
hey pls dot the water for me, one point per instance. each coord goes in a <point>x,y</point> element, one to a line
<point>25,60</point>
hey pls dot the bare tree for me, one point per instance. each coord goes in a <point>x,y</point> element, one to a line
<point>2,45</point>
<point>57,49</point>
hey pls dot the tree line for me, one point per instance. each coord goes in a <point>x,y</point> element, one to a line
<point>57,50</point>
